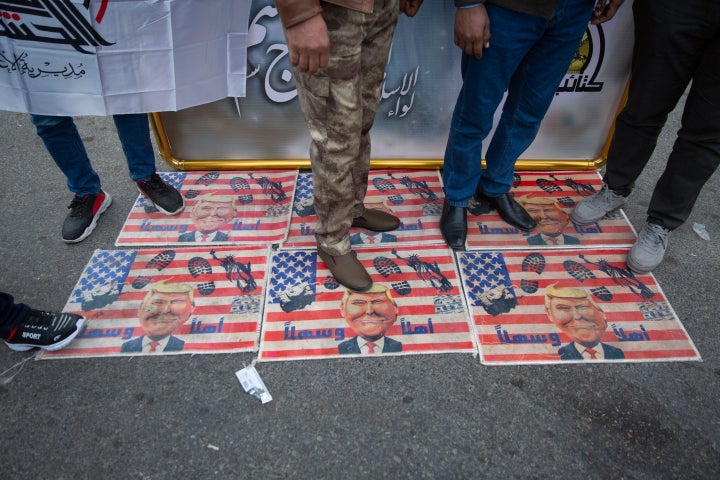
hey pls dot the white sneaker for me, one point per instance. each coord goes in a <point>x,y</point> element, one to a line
<point>649,250</point>
<point>596,207</point>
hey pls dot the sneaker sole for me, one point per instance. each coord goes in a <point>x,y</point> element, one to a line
<point>387,267</point>
<point>581,273</point>
<point>91,227</point>
<point>635,268</point>
<point>534,262</point>
<point>24,347</point>
<point>208,179</point>
<point>578,221</point>
<point>198,266</point>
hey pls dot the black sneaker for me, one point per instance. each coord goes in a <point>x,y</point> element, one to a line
<point>83,216</point>
<point>46,330</point>
<point>162,195</point>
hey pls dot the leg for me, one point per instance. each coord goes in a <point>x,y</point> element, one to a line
<point>484,83</point>
<point>11,314</point>
<point>531,91</point>
<point>134,134</point>
<point>696,153</point>
<point>373,59</point>
<point>666,53</point>
<point>66,148</point>
<point>336,113</point>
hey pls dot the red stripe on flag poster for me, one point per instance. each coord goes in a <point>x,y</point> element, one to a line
<point>422,281</point>
<point>506,292</point>
<point>227,286</point>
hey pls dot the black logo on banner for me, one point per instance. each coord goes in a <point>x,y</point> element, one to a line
<point>51,21</point>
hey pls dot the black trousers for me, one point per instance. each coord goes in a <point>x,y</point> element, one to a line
<point>676,42</point>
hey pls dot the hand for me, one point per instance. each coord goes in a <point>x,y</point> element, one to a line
<point>309,44</point>
<point>472,30</point>
<point>410,7</point>
<point>605,10</point>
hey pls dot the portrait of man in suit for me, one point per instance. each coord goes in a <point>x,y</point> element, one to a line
<point>210,213</point>
<point>369,314</point>
<point>576,314</point>
<point>165,308</point>
<point>551,220</point>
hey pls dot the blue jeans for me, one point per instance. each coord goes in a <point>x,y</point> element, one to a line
<point>66,148</point>
<point>528,57</point>
<point>11,314</point>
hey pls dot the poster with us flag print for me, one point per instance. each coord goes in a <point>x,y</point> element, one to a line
<point>168,301</point>
<point>414,196</point>
<point>221,208</point>
<point>569,306</point>
<point>415,306</point>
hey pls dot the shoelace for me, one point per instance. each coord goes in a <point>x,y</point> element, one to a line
<point>607,196</point>
<point>77,204</point>
<point>156,183</point>
<point>655,235</point>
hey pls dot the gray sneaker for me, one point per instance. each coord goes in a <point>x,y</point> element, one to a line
<point>649,250</point>
<point>596,207</point>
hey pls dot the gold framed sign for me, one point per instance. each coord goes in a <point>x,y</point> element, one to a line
<point>265,129</point>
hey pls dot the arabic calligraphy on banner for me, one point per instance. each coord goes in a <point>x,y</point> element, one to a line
<point>97,57</point>
<point>421,83</point>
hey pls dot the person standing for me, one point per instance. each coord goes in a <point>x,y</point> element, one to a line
<point>66,148</point>
<point>529,51</point>
<point>676,43</point>
<point>339,50</point>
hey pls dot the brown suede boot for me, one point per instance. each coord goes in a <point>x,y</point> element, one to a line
<point>376,221</point>
<point>347,270</point>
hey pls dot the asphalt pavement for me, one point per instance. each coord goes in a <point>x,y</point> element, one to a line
<point>419,416</point>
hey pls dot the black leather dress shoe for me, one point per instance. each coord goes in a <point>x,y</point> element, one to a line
<point>453,225</point>
<point>510,211</point>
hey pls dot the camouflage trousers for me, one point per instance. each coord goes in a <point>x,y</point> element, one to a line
<point>339,103</point>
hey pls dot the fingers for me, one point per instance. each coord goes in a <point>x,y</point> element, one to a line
<point>473,47</point>
<point>605,12</point>
<point>309,63</point>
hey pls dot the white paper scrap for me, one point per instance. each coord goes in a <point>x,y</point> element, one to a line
<point>252,383</point>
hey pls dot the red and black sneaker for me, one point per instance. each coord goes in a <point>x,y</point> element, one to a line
<point>46,330</point>
<point>83,216</point>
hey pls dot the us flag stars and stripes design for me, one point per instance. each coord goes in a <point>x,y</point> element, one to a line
<point>290,269</point>
<point>302,318</point>
<point>506,294</point>
<point>223,317</point>
<point>485,271</point>
<point>106,267</point>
